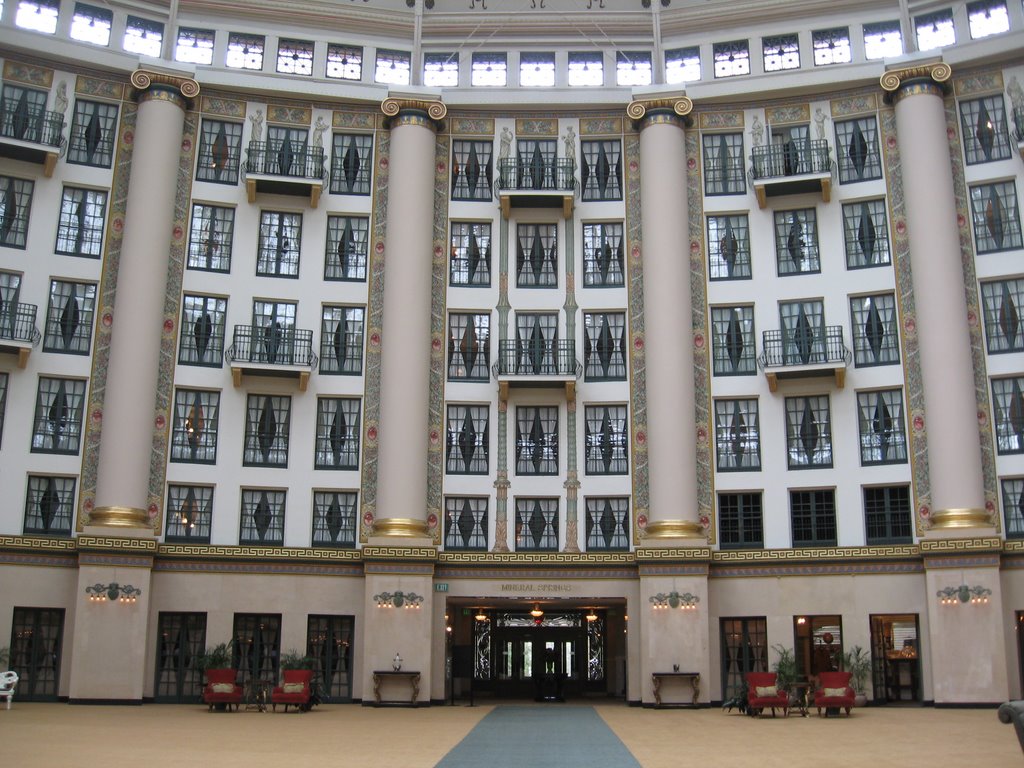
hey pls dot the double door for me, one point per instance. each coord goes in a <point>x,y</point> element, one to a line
<point>545,663</point>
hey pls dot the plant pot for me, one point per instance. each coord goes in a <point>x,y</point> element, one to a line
<point>860,699</point>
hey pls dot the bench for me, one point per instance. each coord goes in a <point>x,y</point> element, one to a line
<point>8,682</point>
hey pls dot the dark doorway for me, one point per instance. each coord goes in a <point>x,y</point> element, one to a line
<point>895,653</point>
<point>181,639</point>
<point>37,636</point>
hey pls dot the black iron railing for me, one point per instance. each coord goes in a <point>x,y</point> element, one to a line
<point>808,347</point>
<point>529,174</point>
<point>18,323</point>
<point>556,357</point>
<point>32,124</point>
<point>1018,124</point>
<point>791,158</point>
<point>286,159</point>
<point>271,345</point>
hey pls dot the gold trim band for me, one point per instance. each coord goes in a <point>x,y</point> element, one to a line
<point>400,527</point>
<point>969,517</point>
<point>120,517</point>
<point>674,529</point>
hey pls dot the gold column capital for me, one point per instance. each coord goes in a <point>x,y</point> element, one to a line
<point>402,110</point>
<point>151,84</point>
<point>927,77</point>
<point>660,109</point>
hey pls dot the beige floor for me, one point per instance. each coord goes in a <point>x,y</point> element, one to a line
<point>151,736</point>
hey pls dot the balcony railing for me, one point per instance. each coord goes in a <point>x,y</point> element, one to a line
<point>794,348</point>
<point>555,358</point>
<point>792,158</point>
<point>271,346</point>
<point>18,323</point>
<point>531,175</point>
<point>32,124</point>
<point>284,159</point>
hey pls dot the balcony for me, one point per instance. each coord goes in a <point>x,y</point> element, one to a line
<point>31,134</point>
<point>271,351</point>
<point>1018,130</point>
<point>804,354</point>
<point>791,168</point>
<point>549,363</point>
<point>282,168</point>
<point>536,183</point>
<point>18,332</point>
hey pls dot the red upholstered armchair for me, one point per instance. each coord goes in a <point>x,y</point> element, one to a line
<point>293,690</point>
<point>221,688</point>
<point>763,691</point>
<point>834,692</point>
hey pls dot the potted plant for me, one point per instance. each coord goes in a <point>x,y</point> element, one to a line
<point>857,662</point>
<point>785,668</point>
<point>215,657</point>
<point>295,660</point>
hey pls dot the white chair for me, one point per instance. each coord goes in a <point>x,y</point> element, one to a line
<point>8,682</point>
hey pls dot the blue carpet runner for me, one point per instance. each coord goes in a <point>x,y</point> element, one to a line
<point>540,737</point>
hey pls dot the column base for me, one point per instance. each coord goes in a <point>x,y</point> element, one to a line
<point>120,517</point>
<point>969,517</point>
<point>674,529</point>
<point>400,527</point>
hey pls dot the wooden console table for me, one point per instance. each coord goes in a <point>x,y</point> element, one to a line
<point>413,678</point>
<point>657,678</point>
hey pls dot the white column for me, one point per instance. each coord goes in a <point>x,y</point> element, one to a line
<point>947,369</point>
<point>129,402</point>
<point>405,334</point>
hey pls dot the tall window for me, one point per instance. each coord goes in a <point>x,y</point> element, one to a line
<point>586,68</point>
<point>857,150</point>
<point>731,58</point>
<point>796,242</point>
<point>287,153</point>
<point>882,427</point>
<point>607,523</point>
<point>469,346</point>
<point>468,440</point>
<point>337,433</point>
<point>729,247</point>
<point>49,505</point>
<point>808,432</point>
<point>91,24</point>
<point>262,518</point>
<point>266,431</point>
<point>472,171</point>
<point>245,51</point>
<point>873,320</point>
<point>220,146</point>
<point>23,116</point>
<point>470,254</point>
<point>724,169</point>
<point>93,129</point>
<point>740,520</point>
<point>341,340</point>
<point>1008,413</point>
<point>344,62</point>
<point>143,36</point>
<point>604,356</point>
<point>1013,506</point>
<point>195,46</point>
<point>935,30</point>
<point>536,256</point>
<point>280,244</point>
<point>781,52</point>
<point>813,518</point>
<point>607,440</point>
<point>987,17</point>
<point>210,238</point>
<point>12,323</point>
<point>682,65</point>
<point>1003,302</point>
<point>15,203</point>
<point>69,317</point>
<point>194,431</point>
<point>392,67</point>
<point>295,57</point>
<point>887,515</point>
<point>351,167</point>
<point>536,350</point>
<point>831,46</point>
<point>984,130</point>
<point>465,522</point>
<point>537,525</point>
<point>883,39</point>
<point>347,248</point>
<point>803,332</point>
<point>80,224</point>
<point>536,69</point>
<point>202,330</point>
<point>732,336</point>
<point>536,440</point>
<point>737,435</point>
<point>633,68</point>
<point>334,519</point>
<point>866,234</point>
<point>601,169</point>
<point>996,217</point>
<point>58,417</point>
<point>603,255</point>
<point>189,513</point>
<point>441,70</point>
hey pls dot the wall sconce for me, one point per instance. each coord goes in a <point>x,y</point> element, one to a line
<point>673,599</point>
<point>963,594</point>
<point>123,593</point>
<point>480,616</point>
<point>591,616</point>
<point>398,600</point>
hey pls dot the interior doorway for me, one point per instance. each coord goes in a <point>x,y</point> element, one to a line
<point>896,667</point>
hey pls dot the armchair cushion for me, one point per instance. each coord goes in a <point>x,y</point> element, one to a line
<point>766,690</point>
<point>293,687</point>
<point>833,692</point>
<point>222,687</point>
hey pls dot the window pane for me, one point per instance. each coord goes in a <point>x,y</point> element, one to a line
<point>887,515</point>
<point>796,242</point>
<point>633,68</point>
<point>470,254</point>
<point>189,513</point>
<point>468,441</point>
<point>607,524</point>
<point>80,224</point>
<point>1013,506</point>
<point>262,518</point>
<point>875,340</point>
<point>536,440</point>
<point>351,168</point>
<point>468,346</point>
<point>732,58</point>
<point>537,524</point>
<point>489,69</point>
<point>441,70</point>
<point>1008,414</point>
<point>935,30</point>
<point>996,217</point>
<point>882,433</point>
<point>537,69</point>
<point>347,247</point>
<point>91,24</point>
<point>337,433</point>
<point>781,52</point>
<point>38,15</point>
<point>605,353</point>
<point>195,46</point>
<point>729,248</point>
<point>279,245</point>
<point>883,39</point>
<point>682,65</point>
<point>1004,315</point>
<point>607,440</point>
<point>341,340</point>
<point>988,17</point>
<point>49,505</point>
<point>344,62</point>
<point>15,203</point>
<point>143,36</point>
<point>724,170</point>
<point>295,57</point>
<point>334,519</point>
<point>740,520</point>
<point>831,46</point>
<point>58,415</point>
<point>92,134</point>
<point>985,134</point>
<point>393,67</point>
<point>601,169</point>
<point>69,317</point>
<point>733,351</point>
<point>245,51</point>
<point>465,523</point>
<point>220,146</point>
<point>737,435</point>
<point>210,238</point>
<point>194,430</point>
<point>586,68</point>
<point>266,431</point>
<point>808,432</point>
<point>857,150</point>
<point>202,331</point>
<point>472,170</point>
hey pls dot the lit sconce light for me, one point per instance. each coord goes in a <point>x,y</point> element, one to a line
<point>963,594</point>
<point>481,616</point>
<point>398,600</point>
<point>591,616</point>
<point>536,612</point>
<point>673,599</point>
<point>801,620</point>
<point>122,593</point>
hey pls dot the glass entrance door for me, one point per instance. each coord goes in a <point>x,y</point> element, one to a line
<point>36,639</point>
<point>181,638</point>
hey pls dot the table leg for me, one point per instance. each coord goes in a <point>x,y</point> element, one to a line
<point>656,681</point>
<point>415,688</point>
<point>695,682</point>
<point>376,688</point>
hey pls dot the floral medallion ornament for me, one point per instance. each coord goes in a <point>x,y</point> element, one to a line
<point>924,512</point>
<point>107,319</point>
<point>368,519</point>
<point>972,318</point>
<point>117,224</point>
<point>694,246</point>
<point>431,521</point>
<point>901,227</point>
<point>698,340</point>
<point>375,339</point>
<point>129,137</point>
<point>178,232</point>
<point>379,247</point>
<point>705,521</point>
<point>169,325</point>
<point>702,434</point>
<point>918,422</point>
<point>641,520</point>
<point>436,344</point>
<point>634,252</point>
<point>435,438</point>
<point>909,325</point>
<point>384,163</point>
<point>691,164</point>
<point>186,145</point>
<point>371,433</point>
<point>152,510</point>
<point>96,416</point>
<point>891,142</point>
<point>641,437</point>
<point>961,220</point>
<point>88,505</point>
<point>160,421</point>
